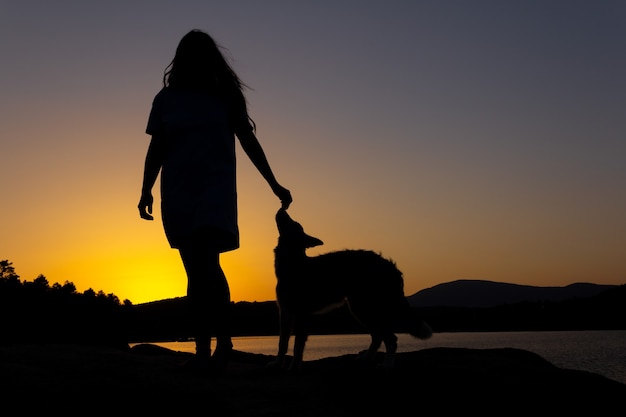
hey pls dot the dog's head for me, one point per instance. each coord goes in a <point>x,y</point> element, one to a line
<point>291,233</point>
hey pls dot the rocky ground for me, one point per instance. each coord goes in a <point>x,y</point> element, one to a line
<point>73,379</point>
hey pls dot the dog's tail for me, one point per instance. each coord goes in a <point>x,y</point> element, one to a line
<point>417,326</point>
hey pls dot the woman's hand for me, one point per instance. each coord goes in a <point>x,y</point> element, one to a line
<point>145,206</point>
<point>284,195</point>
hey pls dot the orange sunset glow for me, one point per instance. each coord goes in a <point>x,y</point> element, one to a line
<point>463,140</point>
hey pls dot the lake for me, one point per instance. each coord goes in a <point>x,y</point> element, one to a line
<point>602,352</point>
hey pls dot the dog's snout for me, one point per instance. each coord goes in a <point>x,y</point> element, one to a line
<point>281,214</point>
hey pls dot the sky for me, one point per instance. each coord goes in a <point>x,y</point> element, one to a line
<point>461,139</point>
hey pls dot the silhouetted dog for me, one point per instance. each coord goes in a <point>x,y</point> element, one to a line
<point>371,285</point>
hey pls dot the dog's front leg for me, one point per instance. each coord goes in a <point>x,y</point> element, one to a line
<point>301,335</point>
<point>286,323</point>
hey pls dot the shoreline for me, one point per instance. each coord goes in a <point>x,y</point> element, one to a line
<point>565,349</point>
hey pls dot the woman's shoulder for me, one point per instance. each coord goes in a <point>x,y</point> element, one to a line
<point>169,96</point>
<point>163,93</point>
<point>160,96</point>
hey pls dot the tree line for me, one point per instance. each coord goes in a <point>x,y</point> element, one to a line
<point>37,312</point>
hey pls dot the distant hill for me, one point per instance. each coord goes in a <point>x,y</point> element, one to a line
<point>480,293</point>
<point>464,305</point>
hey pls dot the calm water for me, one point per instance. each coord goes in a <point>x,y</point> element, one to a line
<point>601,352</point>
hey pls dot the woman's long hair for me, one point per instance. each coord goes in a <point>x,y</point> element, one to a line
<point>199,64</point>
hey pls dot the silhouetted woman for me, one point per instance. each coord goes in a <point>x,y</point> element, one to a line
<point>193,123</point>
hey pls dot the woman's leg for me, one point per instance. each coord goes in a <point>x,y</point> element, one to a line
<point>209,298</point>
<point>221,313</point>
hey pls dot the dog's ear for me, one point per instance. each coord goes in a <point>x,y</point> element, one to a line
<point>311,241</point>
<point>286,225</point>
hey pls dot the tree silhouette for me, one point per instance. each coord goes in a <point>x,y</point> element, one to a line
<point>37,312</point>
<point>7,273</point>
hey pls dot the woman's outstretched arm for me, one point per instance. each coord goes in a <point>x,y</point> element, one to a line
<point>253,149</point>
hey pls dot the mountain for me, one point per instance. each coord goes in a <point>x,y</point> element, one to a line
<point>480,293</point>
<point>464,305</point>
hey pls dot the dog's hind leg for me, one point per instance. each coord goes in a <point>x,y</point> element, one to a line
<point>370,353</point>
<point>391,346</point>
